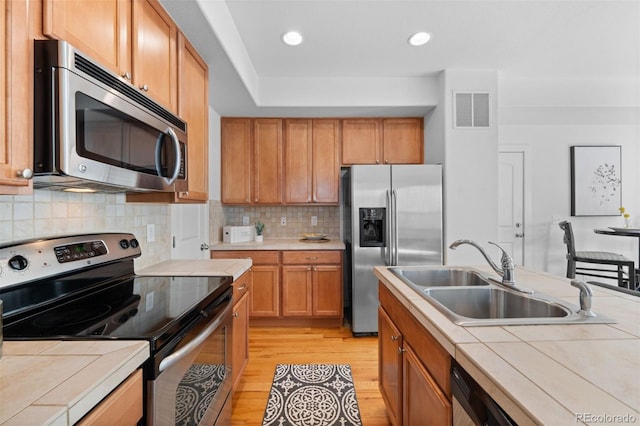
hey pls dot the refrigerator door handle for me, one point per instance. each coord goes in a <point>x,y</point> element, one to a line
<point>388,253</point>
<point>394,204</point>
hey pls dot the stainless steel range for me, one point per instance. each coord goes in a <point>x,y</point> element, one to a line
<point>84,287</point>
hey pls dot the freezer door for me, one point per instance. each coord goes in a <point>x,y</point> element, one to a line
<point>417,191</point>
<point>369,188</point>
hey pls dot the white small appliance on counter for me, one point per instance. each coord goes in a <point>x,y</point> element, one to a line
<point>237,234</point>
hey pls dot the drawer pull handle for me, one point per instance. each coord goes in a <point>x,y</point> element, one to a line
<point>243,287</point>
<point>312,257</point>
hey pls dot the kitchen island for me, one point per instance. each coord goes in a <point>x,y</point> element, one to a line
<point>49,382</point>
<point>546,374</point>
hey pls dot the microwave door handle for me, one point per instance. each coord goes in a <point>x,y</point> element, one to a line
<point>193,344</point>
<point>176,146</point>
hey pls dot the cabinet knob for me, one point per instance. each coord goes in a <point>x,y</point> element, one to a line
<point>308,268</point>
<point>126,75</point>
<point>144,87</point>
<point>401,350</point>
<point>25,173</point>
<point>394,338</point>
<point>236,314</point>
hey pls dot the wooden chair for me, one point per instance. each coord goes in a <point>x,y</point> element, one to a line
<point>625,279</point>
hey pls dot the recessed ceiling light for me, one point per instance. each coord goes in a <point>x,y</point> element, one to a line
<point>418,39</point>
<point>292,38</point>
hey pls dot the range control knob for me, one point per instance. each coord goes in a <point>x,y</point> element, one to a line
<point>18,263</point>
<point>124,244</point>
<point>134,243</point>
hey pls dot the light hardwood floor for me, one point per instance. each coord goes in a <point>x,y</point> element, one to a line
<point>269,346</point>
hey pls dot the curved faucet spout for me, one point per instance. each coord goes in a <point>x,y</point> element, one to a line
<point>486,256</point>
<point>507,271</point>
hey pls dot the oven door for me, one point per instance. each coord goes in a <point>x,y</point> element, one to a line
<point>193,386</point>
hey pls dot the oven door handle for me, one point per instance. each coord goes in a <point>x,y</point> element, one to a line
<point>193,344</point>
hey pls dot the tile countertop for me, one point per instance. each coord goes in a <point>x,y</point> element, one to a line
<point>58,382</point>
<point>199,267</point>
<point>547,374</point>
<point>282,244</point>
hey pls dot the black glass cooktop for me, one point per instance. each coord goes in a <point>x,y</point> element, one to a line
<point>134,307</point>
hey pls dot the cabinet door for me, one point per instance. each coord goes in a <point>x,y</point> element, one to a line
<point>101,29</point>
<point>240,339</point>
<point>361,141</point>
<point>264,294</point>
<point>296,291</point>
<point>155,52</point>
<point>424,402</point>
<point>16,83</point>
<point>193,107</point>
<point>267,157</point>
<point>326,161</point>
<point>298,167</point>
<point>390,366</point>
<point>403,141</point>
<point>327,290</point>
<point>236,153</point>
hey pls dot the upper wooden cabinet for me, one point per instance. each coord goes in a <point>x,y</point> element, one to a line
<point>193,107</point>
<point>382,141</point>
<point>361,141</point>
<point>101,29</point>
<point>16,140</point>
<point>154,47</point>
<point>136,39</point>
<point>267,161</point>
<point>235,159</point>
<point>312,161</point>
<point>403,140</point>
<point>251,157</point>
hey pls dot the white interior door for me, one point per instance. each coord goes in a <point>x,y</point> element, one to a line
<point>190,231</point>
<point>511,198</point>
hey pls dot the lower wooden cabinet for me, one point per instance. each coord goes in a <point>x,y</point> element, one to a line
<point>123,406</point>
<point>240,336</point>
<point>293,287</point>
<point>413,368</point>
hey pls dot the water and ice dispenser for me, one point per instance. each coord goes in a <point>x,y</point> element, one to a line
<point>373,227</point>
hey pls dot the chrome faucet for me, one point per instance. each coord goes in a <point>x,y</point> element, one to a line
<point>585,298</point>
<point>507,271</point>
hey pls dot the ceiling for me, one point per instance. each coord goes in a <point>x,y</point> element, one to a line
<point>355,59</point>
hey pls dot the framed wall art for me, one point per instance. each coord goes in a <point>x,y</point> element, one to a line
<point>596,180</point>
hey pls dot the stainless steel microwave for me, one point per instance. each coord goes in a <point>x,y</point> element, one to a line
<point>93,130</point>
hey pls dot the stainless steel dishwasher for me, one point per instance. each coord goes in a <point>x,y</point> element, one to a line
<point>471,404</point>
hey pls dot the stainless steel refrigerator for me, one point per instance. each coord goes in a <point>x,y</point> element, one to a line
<point>392,216</point>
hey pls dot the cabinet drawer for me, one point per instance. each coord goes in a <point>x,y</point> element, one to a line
<point>310,257</point>
<point>241,286</point>
<point>259,257</point>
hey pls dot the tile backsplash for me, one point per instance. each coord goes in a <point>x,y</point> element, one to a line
<point>298,219</point>
<point>54,213</point>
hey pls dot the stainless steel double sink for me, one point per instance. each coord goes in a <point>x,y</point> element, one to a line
<point>469,298</point>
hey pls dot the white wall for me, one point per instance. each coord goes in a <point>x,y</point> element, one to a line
<point>470,169</point>
<point>549,117</point>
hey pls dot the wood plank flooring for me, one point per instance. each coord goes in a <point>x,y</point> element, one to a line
<point>269,346</point>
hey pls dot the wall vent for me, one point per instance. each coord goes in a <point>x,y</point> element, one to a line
<point>471,109</point>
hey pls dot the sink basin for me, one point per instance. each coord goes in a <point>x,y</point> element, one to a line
<point>439,277</point>
<point>492,305</point>
<point>495,303</point>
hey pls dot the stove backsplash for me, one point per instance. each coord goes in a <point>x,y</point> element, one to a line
<point>53,213</point>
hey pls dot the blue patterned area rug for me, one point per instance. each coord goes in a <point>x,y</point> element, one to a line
<point>312,395</point>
